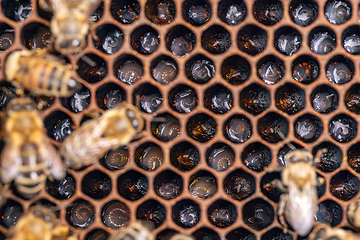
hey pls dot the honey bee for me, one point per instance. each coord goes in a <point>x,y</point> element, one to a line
<point>41,73</point>
<point>353,213</point>
<point>27,157</point>
<point>139,230</point>
<point>115,128</point>
<point>39,224</point>
<point>298,205</point>
<point>324,231</point>
<point>70,24</point>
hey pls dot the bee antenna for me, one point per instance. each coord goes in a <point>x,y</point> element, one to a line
<point>88,61</point>
<point>282,136</point>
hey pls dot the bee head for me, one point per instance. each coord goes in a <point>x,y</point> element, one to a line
<point>298,155</point>
<point>134,116</point>
<point>21,104</point>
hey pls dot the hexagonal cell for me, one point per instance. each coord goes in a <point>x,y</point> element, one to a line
<point>252,39</point>
<point>220,156</point>
<point>201,127</point>
<point>196,12</point>
<point>96,16</point>
<point>216,39</point>
<point>152,211</point>
<point>62,189</point>
<point>268,12</point>
<point>145,39</point>
<point>16,10</point>
<point>276,233</point>
<point>200,69</point>
<point>353,156</point>
<point>305,69</point>
<point>329,212</point>
<point>273,127</point>
<point>339,70</point>
<point>202,185</point>
<point>288,147</point>
<point>236,70</point>
<point>270,191</point>
<point>183,99</point>
<point>239,185</point>
<point>255,99</point>
<point>10,213</point>
<point>303,12</point>
<point>240,234</point>
<point>332,159</point>
<point>80,214</point>
<point>344,185</point>
<point>232,12</point>
<point>166,234</point>
<point>58,125</point>
<point>352,97</point>
<point>96,184</point>
<point>322,40</point>
<point>308,128</point>
<point>34,35</point>
<point>7,36</point>
<point>186,213</point>
<point>256,156</point>
<point>205,233</point>
<point>148,97</point>
<point>290,99</point>
<point>270,69</point>
<point>109,95</point>
<point>258,214</point>
<point>149,156</point>
<point>342,128</point>
<point>110,38</point>
<point>115,159</point>
<point>222,213</point>
<point>160,11</point>
<point>237,129</point>
<point>184,156</point>
<point>164,69</point>
<point>115,214</point>
<point>324,99</point>
<point>126,11</point>
<point>350,38</point>
<point>338,12</point>
<point>166,130</point>
<point>180,40</point>
<point>78,102</point>
<point>128,69</point>
<point>132,185</point>
<point>43,102</point>
<point>218,99</point>
<point>168,185</point>
<point>94,72</point>
<point>287,40</point>
<point>98,234</point>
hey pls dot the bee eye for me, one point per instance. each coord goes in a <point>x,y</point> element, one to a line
<point>63,44</point>
<point>135,123</point>
<point>130,113</point>
<point>75,43</point>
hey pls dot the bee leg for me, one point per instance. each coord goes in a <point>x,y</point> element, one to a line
<point>281,210</point>
<point>140,135</point>
<point>276,183</point>
<point>92,30</point>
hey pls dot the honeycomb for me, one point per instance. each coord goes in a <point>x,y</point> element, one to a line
<point>224,74</point>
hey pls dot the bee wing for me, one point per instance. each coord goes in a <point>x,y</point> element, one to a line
<point>53,160</point>
<point>10,162</point>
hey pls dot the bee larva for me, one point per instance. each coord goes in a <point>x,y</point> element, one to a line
<point>115,128</point>
<point>41,73</point>
<point>39,224</point>
<point>324,231</point>
<point>70,24</point>
<point>139,230</point>
<point>298,206</point>
<point>27,157</point>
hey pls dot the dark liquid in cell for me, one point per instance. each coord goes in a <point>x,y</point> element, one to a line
<point>81,214</point>
<point>216,40</point>
<point>149,158</point>
<point>116,215</point>
<point>337,12</point>
<point>169,190</point>
<point>80,101</point>
<point>181,46</point>
<point>116,159</point>
<point>352,44</point>
<point>256,157</point>
<point>199,14</point>
<point>151,102</point>
<point>130,72</point>
<point>112,98</point>
<point>184,156</point>
<point>258,214</point>
<point>166,131</point>
<point>203,187</point>
<point>11,213</point>
<point>202,71</point>
<point>201,128</point>
<point>271,72</point>
<point>268,12</point>
<point>186,214</point>
<point>304,13</point>
<point>152,211</point>
<point>160,11</point>
<point>255,99</point>
<point>238,130</point>
<point>17,10</point>
<point>339,73</point>
<point>96,184</point>
<point>233,13</point>
<point>305,72</point>
<point>323,102</point>
<point>111,42</point>
<point>62,129</point>
<point>63,189</point>
<point>185,101</point>
<point>222,214</point>
<point>6,40</point>
<point>165,71</point>
<point>132,185</point>
<point>125,13</point>
<point>322,43</point>
<point>342,128</point>
<point>289,44</point>
<point>221,158</point>
<point>252,40</point>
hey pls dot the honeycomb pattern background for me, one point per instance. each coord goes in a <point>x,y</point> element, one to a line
<point>335,195</point>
